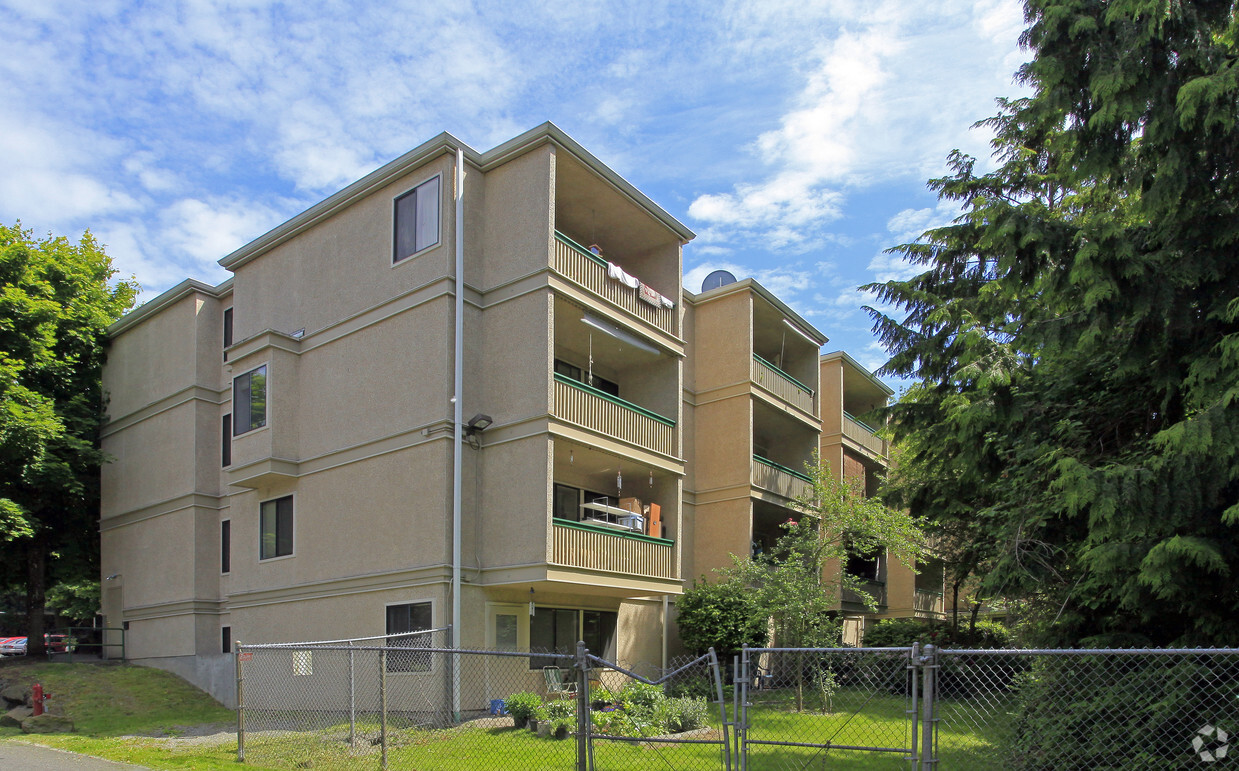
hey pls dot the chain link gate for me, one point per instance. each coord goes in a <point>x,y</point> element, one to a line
<point>801,708</point>
<point>675,719</point>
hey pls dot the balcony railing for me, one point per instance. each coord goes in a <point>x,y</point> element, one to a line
<point>779,479</point>
<point>579,545</point>
<point>588,407</point>
<point>782,385</point>
<point>875,589</point>
<point>928,602</point>
<point>863,435</point>
<point>590,273</point>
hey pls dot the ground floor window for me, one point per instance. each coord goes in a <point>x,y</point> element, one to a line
<point>556,630</point>
<point>409,617</point>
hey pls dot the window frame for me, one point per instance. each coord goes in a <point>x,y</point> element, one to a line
<point>538,660</point>
<point>225,444</point>
<point>396,257</point>
<point>225,546</point>
<point>292,527</point>
<point>225,633</point>
<point>228,333</point>
<point>237,429</point>
<point>418,663</point>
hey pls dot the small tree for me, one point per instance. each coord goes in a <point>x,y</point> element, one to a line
<point>790,585</point>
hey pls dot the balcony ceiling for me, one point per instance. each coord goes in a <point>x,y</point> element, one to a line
<point>591,211</point>
<point>573,336</point>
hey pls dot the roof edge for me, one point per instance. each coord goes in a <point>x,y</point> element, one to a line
<point>755,286</point>
<point>151,307</point>
<point>445,143</point>
<point>847,357</point>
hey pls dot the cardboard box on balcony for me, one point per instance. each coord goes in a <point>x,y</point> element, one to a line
<point>630,504</point>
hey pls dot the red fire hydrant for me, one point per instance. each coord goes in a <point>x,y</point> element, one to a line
<point>37,696</point>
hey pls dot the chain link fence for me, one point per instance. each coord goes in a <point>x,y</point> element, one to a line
<point>1153,709</point>
<point>410,702</point>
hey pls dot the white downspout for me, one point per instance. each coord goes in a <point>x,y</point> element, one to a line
<point>458,419</point>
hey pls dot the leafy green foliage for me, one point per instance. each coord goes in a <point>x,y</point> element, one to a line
<point>77,601</point>
<point>685,713</point>
<point>792,585</point>
<point>902,632</point>
<point>1074,334</point>
<point>55,305</point>
<point>522,706</point>
<point>723,616</point>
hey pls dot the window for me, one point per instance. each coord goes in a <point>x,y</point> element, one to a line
<point>412,617</point>
<point>277,528</point>
<point>417,220</point>
<point>558,629</point>
<point>576,373</point>
<point>567,503</point>
<point>249,401</point>
<point>227,330</point>
<point>225,546</point>
<point>865,566</point>
<point>225,447</point>
<point>225,639</point>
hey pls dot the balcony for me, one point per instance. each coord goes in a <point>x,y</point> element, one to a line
<point>588,271</point>
<point>928,604</point>
<point>580,545</point>
<point>875,589</point>
<point>780,480</point>
<point>863,435</point>
<point>783,386</point>
<point>611,416</point>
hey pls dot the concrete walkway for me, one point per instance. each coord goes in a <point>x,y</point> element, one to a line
<point>29,757</point>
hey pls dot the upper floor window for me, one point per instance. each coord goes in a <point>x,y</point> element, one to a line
<point>249,401</point>
<point>227,328</point>
<point>417,220</point>
<point>276,528</point>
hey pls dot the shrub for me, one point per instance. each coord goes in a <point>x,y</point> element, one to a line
<point>638,698</point>
<point>558,709</point>
<point>825,683</point>
<point>719,615</point>
<point>902,632</point>
<point>523,706</point>
<point>684,714</point>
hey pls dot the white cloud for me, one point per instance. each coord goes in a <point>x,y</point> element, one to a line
<point>887,96</point>
<point>785,282</point>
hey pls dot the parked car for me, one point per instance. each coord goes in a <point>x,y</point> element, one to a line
<point>13,646</point>
<point>58,643</point>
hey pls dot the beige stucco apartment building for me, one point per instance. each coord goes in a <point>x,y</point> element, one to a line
<point>467,386</point>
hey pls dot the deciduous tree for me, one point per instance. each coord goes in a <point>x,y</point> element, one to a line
<point>55,305</point>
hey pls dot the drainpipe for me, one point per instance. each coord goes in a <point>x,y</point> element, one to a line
<point>458,420</point>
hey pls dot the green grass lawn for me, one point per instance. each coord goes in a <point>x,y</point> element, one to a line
<point>109,704</point>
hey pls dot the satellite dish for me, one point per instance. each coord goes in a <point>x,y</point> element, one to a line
<point>716,279</point>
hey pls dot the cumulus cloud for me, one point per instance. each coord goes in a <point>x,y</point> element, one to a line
<point>885,97</point>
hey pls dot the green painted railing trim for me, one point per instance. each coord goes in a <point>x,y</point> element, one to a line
<point>783,468</point>
<point>784,374</point>
<point>613,399</point>
<point>860,423</point>
<point>608,531</point>
<point>568,241</point>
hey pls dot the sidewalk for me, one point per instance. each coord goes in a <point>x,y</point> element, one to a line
<point>30,757</point>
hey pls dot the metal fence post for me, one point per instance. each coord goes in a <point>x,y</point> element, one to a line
<point>742,730</point>
<point>722,708</point>
<point>914,708</point>
<point>240,704</point>
<point>383,705</point>
<point>582,708</point>
<point>352,699</point>
<point>735,704</point>
<point>928,707</point>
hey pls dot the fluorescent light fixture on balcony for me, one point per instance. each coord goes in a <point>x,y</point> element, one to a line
<point>801,332</point>
<point>620,334</point>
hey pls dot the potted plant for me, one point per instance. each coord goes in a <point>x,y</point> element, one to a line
<point>562,726</point>
<point>522,707</point>
<point>560,714</point>
<point>539,723</point>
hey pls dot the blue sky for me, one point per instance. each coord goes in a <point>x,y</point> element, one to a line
<point>795,137</point>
